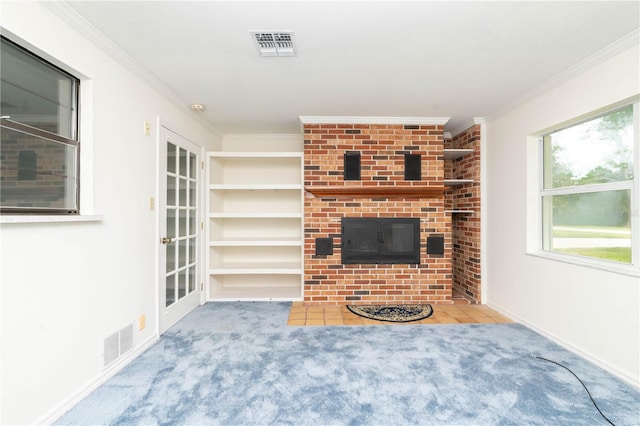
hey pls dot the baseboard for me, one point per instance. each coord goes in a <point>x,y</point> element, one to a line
<point>623,375</point>
<point>56,412</point>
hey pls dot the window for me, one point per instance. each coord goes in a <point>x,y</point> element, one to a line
<point>589,208</point>
<point>39,144</point>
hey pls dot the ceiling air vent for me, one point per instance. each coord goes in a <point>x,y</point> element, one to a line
<point>274,43</point>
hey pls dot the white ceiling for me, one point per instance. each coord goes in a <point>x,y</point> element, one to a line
<point>407,59</point>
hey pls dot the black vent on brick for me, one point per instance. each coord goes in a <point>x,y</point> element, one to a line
<point>324,246</point>
<point>435,245</point>
<point>352,166</point>
<point>412,167</point>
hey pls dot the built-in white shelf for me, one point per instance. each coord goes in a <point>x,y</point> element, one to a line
<point>257,169</point>
<point>256,215</point>
<point>459,211</point>
<point>255,205</point>
<point>252,229</point>
<point>253,242</point>
<point>257,271</point>
<point>454,154</point>
<point>230,268</point>
<point>254,187</point>
<point>233,292</point>
<point>456,182</point>
<point>256,154</point>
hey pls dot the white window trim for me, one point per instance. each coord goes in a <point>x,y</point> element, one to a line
<point>37,218</point>
<point>536,192</point>
<point>581,189</point>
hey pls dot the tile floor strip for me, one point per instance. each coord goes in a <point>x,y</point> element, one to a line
<point>301,315</point>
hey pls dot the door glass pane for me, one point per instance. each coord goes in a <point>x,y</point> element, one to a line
<point>170,290</point>
<point>183,163</point>
<point>171,256</point>
<point>182,284</point>
<point>183,254</point>
<point>171,191</point>
<point>171,222</point>
<point>182,223</point>
<point>171,158</point>
<point>183,192</point>
<point>193,166</point>
<point>192,279</point>
<point>193,200</point>
<point>192,222</point>
<point>192,250</point>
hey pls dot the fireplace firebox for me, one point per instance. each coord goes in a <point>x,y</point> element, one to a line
<point>380,240</point>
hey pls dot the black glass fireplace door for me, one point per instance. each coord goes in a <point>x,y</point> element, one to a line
<point>380,240</point>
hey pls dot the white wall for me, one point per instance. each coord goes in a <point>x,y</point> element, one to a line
<point>66,286</point>
<point>594,312</point>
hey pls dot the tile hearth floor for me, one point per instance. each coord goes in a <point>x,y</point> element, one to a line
<point>442,314</point>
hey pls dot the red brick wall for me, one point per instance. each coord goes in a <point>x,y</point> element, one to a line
<point>382,148</point>
<point>466,227</point>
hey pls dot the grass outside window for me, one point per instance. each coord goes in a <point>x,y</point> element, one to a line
<point>611,243</point>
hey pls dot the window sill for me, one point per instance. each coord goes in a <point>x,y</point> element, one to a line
<point>622,269</point>
<point>49,218</point>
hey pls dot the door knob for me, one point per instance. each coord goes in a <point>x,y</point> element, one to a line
<point>166,240</point>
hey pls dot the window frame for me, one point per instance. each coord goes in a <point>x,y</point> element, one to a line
<point>74,141</point>
<point>632,185</point>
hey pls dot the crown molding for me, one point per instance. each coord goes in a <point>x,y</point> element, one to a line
<point>263,136</point>
<point>69,15</point>
<point>425,121</point>
<point>626,42</point>
<point>474,121</point>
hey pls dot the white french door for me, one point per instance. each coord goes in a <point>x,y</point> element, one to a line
<point>179,229</point>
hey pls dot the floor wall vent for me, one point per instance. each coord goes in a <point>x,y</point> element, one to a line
<point>117,344</point>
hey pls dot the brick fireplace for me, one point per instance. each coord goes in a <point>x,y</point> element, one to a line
<point>381,190</point>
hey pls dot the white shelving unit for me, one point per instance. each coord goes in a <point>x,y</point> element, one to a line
<point>255,244</point>
<point>454,154</point>
<point>456,182</point>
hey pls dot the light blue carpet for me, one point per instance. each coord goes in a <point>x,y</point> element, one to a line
<point>240,364</point>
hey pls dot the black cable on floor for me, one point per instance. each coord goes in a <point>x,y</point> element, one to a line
<point>583,385</point>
